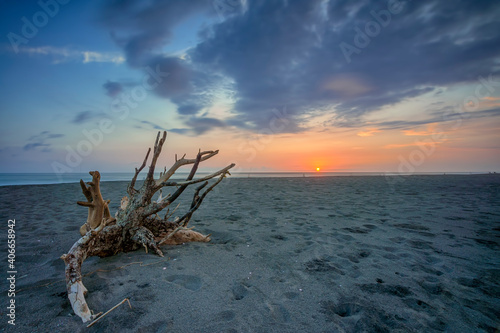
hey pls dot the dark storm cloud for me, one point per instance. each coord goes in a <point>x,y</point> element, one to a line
<point>39,141</point>
<point>178,82</point>
<point>353,57</point>
<point>141,28</point>
<point>187,87</point>
<point>113,88</point>
<point>289,53</point>
<point>265,52</point>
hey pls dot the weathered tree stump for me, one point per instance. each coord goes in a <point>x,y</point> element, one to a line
<point>136,223</point>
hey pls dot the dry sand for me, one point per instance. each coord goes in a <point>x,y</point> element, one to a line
<point>340,254</point>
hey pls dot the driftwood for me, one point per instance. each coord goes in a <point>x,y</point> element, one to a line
<point>136,223</point>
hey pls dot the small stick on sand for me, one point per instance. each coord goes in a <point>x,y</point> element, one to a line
<point>114,307</point>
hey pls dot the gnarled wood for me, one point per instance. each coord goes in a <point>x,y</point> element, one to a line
<point>98,208</point>
<point>136,223</point>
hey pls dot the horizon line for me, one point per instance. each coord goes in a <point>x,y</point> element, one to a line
<point>270,172</point>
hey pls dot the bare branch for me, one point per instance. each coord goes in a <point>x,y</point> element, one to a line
<point>168,214</point>
<point>156,153</point>
<point>199,180</point>
<point>86,191</point>
<point>197,200</point>
<point>164,170</point>
<point>155,207</point>
<point>94,242</point>
<point>130,189</point>
<point>183,161</point>
<point>85,203</point>
<point>184,220</point>
<point>98,208</point>
<point>181,189</point>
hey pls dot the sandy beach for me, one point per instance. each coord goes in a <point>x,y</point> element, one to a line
<point>326,254</point>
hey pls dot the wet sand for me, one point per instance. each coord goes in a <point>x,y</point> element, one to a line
<point>332,254</point>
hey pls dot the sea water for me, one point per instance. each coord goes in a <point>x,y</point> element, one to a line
<point>53,178</point>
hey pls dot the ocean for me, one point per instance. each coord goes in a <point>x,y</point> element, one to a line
<point>53,178</point>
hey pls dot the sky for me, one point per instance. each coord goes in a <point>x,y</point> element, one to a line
<point>275,85</point>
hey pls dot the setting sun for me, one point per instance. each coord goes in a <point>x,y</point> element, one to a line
<point>317,169</point>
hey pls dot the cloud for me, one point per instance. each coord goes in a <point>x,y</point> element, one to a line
<point>199,125</point>
<point>444,120</point>
<point>416,133</point>
<point>113,89</point>
<point>141,29</point>
<point>63,54</point>
<point>278,53</point>
<point>431,130</point>
<point>369,132</point>
<point>34,145</point>
<point>39,141</point>
<point>417,144</point>
<point>190,89</point>
<point>183,131</point>
<point>86,116</point>
<point>347,85</point>
<point>489,102</point>
<point>293,56</point>
<point>89,56</point>
<point>188,109</point>
<point>205,124</point>
<point>45,135</point>
<point>153,125</point>
<point>178,83</point>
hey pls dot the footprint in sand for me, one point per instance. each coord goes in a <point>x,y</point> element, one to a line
<point>239,291</point>
<point>323,265</point>
<point>357,315</point>
<point>342,309</point>
<point>190,282</point>
<point>227,315</point>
